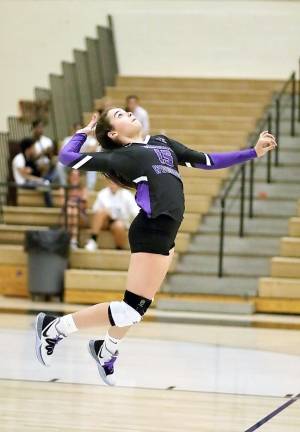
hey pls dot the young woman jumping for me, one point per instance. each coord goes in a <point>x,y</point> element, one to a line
<point>151,166</point>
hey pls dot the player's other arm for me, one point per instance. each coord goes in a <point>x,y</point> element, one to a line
<point>211,161</point>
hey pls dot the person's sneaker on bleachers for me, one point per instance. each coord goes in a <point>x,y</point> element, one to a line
<point>91,245</point>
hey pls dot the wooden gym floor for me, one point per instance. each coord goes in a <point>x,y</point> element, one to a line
<point>208,373</point>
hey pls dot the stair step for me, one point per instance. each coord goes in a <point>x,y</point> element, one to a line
<point>213,306</point>
<point>261,208</point>
<point>281,174</point>
<point>279,287</point>
<point>233,245</point>
<point>294,227</point>
<point>270,191</point>
<point>195,284</point>
<point>257,226</point>
<point>232,265</point>
<point>285,267</point>
<point>290,247</point>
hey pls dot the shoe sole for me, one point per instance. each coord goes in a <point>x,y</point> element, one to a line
<point>93,353</point>
<point>38,331</point>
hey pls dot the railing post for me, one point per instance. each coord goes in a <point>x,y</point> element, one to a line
<point>293,104</point>
<point>251,188</point>
<point>299,90</point>
<point>221,239</point>
<point>66,207</point>
<point>242,200</point>
<point>269,155</point>
<point>277,131</point>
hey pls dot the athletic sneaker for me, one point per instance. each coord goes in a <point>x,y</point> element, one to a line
<point>105,364</point>
<point>91,245</point>
<point>47,336</point>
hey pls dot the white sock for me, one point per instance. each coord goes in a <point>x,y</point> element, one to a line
<point>110,345</point>
<point>66,325</point>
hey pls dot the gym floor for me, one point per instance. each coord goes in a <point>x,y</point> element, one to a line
<point>176,371</point>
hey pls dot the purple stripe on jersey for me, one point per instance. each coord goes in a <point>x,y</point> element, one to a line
<point>225,160</point>
<point>142,197</point>
<point>70,152</point>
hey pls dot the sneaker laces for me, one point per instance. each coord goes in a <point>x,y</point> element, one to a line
<point>108,366</point>
<point>51,342</point>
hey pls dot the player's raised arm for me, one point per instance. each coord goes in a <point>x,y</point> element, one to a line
<point>211,161</point>
<point>70,154</point>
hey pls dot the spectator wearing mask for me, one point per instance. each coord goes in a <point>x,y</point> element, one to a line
<point>26,173</point>
<point>113,209</point>
<point>132,105</point>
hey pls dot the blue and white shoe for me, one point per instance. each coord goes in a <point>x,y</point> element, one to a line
<point>47,336</point>
<point>105,364</point>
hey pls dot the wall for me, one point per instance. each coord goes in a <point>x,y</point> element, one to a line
<point>216,38</point>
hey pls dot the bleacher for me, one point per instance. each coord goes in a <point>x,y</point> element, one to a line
<point>281,291</point>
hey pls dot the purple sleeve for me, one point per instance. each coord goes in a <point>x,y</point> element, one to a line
<point>225,160</point>
<point>71,151</point>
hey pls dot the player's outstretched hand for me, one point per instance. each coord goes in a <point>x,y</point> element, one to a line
<point>89,129</point>
<point>265,143</point>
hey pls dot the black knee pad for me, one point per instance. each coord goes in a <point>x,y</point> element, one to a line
<point>129,311</point>
<point>138,303</point>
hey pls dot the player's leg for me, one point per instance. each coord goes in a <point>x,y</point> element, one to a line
<point>145,276</point>
<point>50,330</point>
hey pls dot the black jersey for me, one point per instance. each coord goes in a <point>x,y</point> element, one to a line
<point>151,167</point>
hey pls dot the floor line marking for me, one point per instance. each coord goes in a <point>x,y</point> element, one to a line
<point>268,417</point>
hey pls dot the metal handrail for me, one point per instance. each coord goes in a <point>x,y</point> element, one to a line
<point>241,173</point>
<point>266,123</point>
<point>278,106</point>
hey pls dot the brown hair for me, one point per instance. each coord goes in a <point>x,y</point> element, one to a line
<point>103,126</point>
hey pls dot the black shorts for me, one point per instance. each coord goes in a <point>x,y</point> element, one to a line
<point>153,235</point>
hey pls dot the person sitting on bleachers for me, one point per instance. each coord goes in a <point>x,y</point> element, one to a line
<point>44,147</point>
<point>26,173</point>
<point>76,205</point>
<point>132,105</point>
<point>113,209</point>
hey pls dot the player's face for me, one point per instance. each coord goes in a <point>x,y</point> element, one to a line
<point>124,123</point>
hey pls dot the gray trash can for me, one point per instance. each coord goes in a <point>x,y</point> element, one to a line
<point>48,253</point>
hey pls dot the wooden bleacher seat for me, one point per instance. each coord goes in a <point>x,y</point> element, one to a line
<point>53,217</point>
<point>199,83</point>
<point>294,227</point>
<point>290,247</point>
<point>15,234</point>
<point>285,267</point>
<point>112,265</point>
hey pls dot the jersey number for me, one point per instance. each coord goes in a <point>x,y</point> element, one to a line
<point>165,157</point>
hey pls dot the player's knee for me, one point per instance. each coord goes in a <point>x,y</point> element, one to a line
<point>129,311</point>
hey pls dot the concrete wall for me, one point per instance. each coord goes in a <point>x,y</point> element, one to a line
<point>216,38</point>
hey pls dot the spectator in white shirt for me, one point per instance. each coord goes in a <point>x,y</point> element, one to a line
<point>25,171</point>
<point>44,147</point>
<point>114,210</point>
<point>132,105</point>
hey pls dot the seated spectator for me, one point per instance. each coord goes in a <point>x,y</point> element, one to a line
<point>26,173</point>
<point>113,209</point>
<point>132,105</point>
<point>76,205</point>
<point>90,145</point>
<point>44,147</point>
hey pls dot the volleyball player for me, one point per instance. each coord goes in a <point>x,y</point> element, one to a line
<point>151,166</point>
